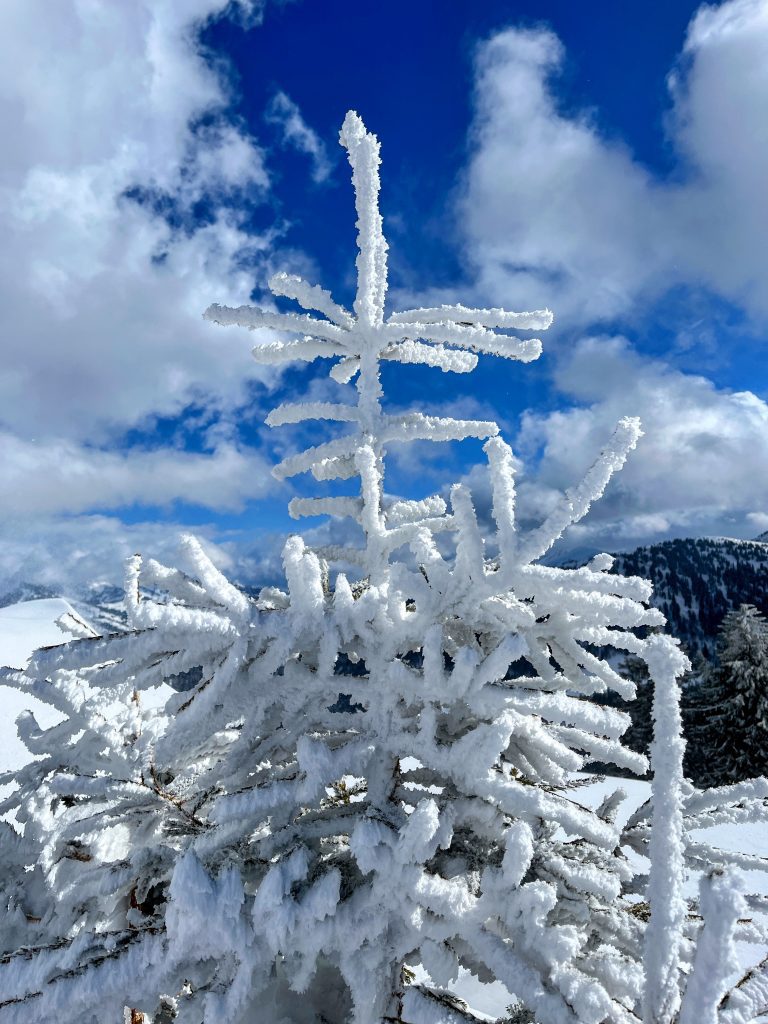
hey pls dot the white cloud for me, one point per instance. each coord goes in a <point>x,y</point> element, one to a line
<point>720,127</point>
<point>62,476</point>
<point>554,213</point>
<point>101,298</point>
<point>115,126</point>
<point>699,468</point>
<point>68,554</point>
<point>282,111</point>
<point>759,520</point>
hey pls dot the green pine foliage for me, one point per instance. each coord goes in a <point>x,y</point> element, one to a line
<point>517,1013</point>
<point>727,715</point>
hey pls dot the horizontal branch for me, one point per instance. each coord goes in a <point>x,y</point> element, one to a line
<point>302,462</point>
<point>416,426</point>
<point>302,507</point>
<point>536,320</point>
<point>446,359</point>
<point>310,296</point>
<point>253,317</point>
<point>298,412</point>
<point>477,339</point>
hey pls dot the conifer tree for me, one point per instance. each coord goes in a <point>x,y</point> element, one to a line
<point>257,849</point>
<point>730,709</point>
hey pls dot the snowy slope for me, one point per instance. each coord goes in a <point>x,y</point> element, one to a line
<point>31,624</point>
<point>696,581</point>
<point>23,628</point>
<point>27,626</point>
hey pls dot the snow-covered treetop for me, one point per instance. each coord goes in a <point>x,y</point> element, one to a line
<point>446,337</point>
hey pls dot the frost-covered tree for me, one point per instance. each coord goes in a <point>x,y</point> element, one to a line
<point>259,849</point>
<point>729,709</point>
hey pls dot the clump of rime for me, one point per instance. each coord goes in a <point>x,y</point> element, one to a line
<point>262,848</point>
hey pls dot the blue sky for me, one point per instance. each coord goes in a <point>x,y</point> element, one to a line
<point>606,160</point>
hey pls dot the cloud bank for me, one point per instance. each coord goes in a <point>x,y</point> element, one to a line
<point>553,212</point>
<point>700,467</point>
<point>117,137</point>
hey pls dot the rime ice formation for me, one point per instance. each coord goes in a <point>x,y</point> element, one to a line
<point>264,849</point>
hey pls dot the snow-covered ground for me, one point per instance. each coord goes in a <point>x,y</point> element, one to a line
<point>23,629</point>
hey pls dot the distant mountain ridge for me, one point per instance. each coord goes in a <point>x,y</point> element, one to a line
<point>697,581</point>
<point>28,592</point>
<point>101,604</point>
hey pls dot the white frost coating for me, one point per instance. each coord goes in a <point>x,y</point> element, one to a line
<point>601,563</point>
<point>309,296</point>
<point>315,456</point>
<point>502,467</point>
<point>177,584</point>
<point>363,152</point>
<point>415,426</point>
<point>273,808</point>
<point>298,323</point>
<point>667,873</point>
<point>538,320</point>
<point>722,904</point>
<point>577,501</point>
<point>298,507</point>
<point>470,560</point>
<point>302,571</point>
<point>401,512</point>
<point>449,360</point>
<point>345,369</point>
<point>292,412</point>
<point>214,582</point>
<point>518,853</point>
<point>746,1001</point>
<point>339,467</point>
<point>752,789</point>
<point>307,350</point>
<point>473,337</point>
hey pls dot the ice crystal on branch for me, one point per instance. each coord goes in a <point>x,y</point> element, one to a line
<point>360,790</point>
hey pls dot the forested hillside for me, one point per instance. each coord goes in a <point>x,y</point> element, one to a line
<point>697,581</point>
